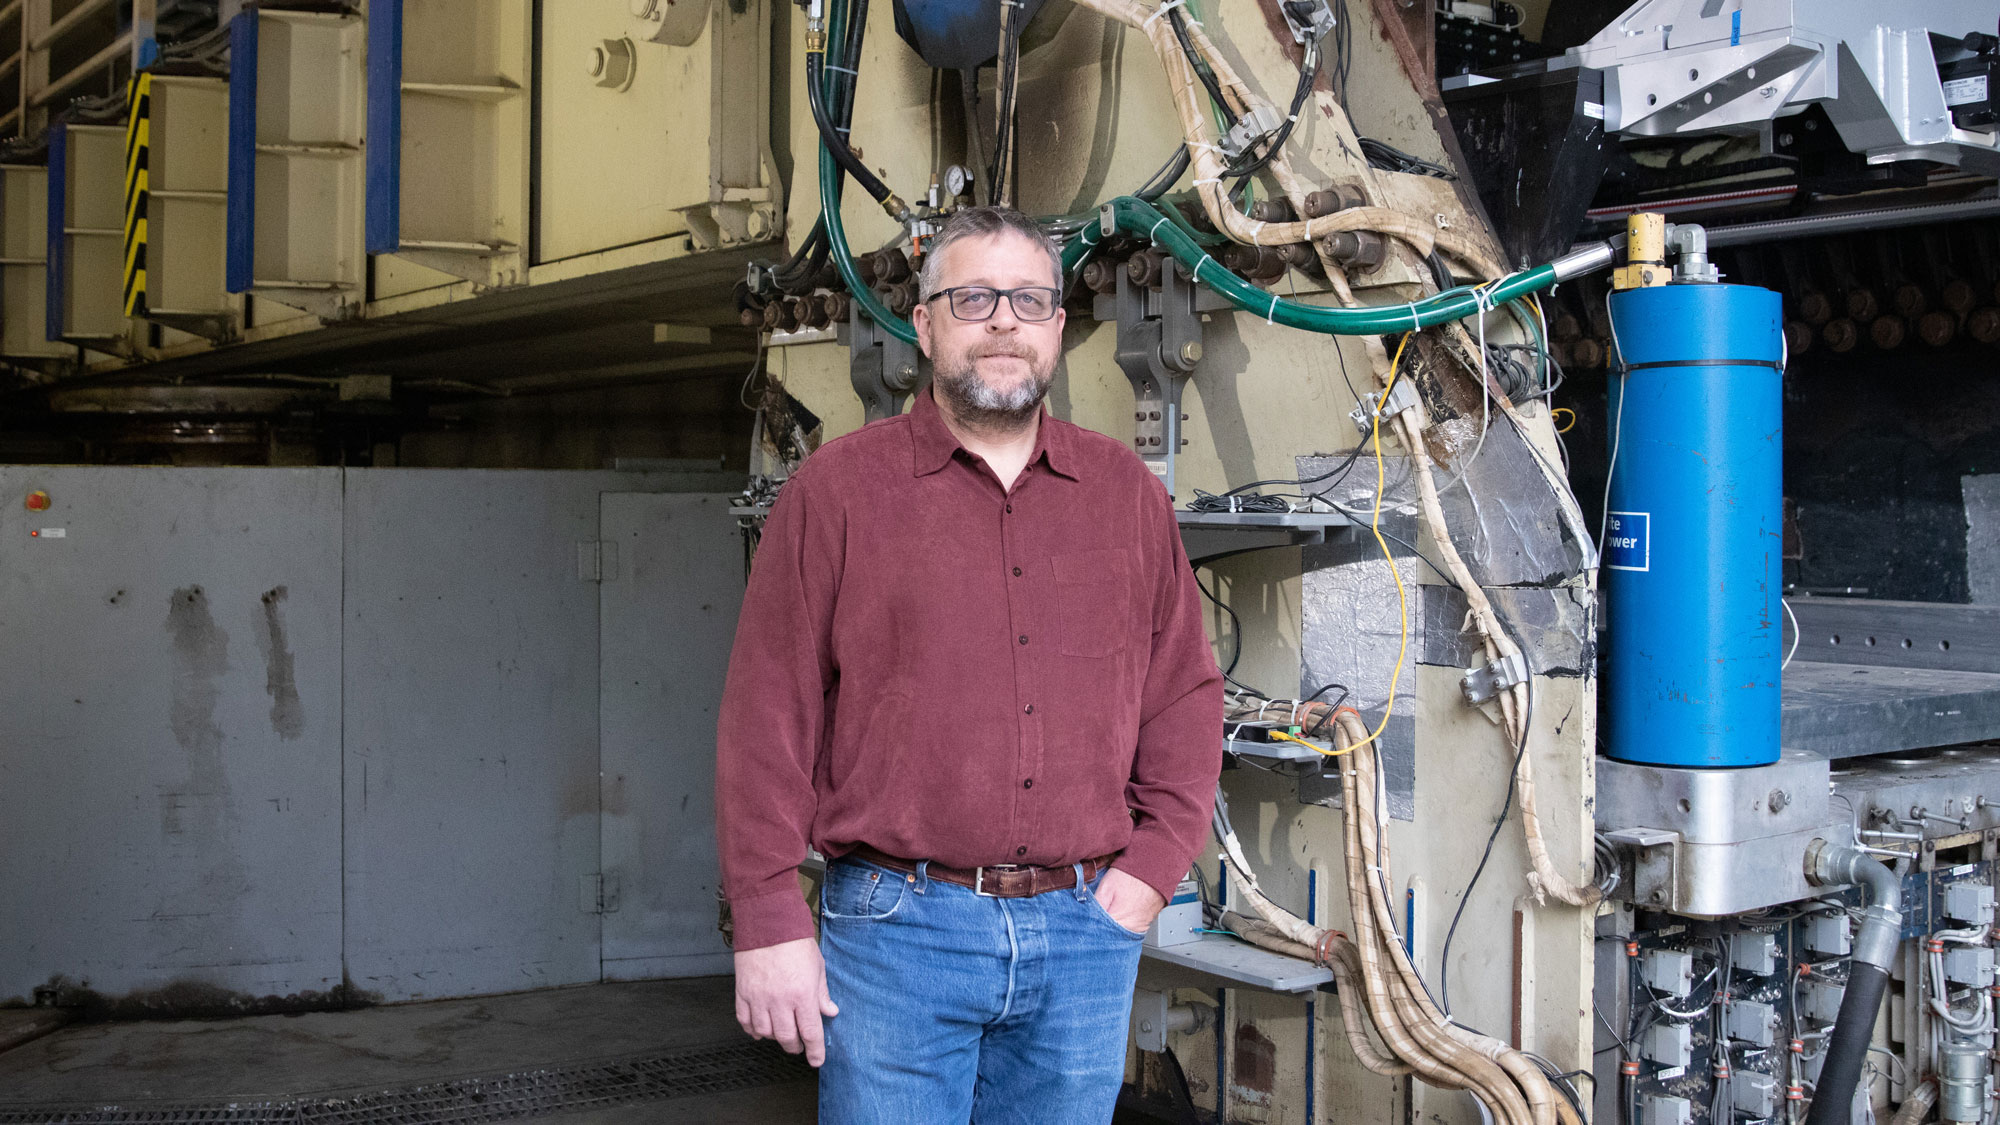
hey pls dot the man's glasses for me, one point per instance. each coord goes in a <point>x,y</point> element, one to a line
<point>1033,303</point>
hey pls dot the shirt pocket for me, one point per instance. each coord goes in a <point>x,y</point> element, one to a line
<point>1094,597</point>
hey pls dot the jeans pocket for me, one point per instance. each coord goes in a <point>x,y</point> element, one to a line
<point>860,892</point>
<point>1097,908</point>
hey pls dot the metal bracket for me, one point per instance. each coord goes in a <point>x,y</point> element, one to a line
<point>1655,862</point>
<point>1159,344</point>
<point>1373,408</point>
<point>883,369</point>
<point>1488,680</point>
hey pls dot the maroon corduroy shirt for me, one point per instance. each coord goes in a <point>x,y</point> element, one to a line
<point>943,670</point>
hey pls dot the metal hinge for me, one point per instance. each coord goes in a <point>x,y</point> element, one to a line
<point>1373,407</point>
<point>596,894</point>
<point>1488,680</point>
<point>597,561</point>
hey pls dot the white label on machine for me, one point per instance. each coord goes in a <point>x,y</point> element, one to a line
<point>1594,110</point>
<point>1670,1074</point>
<point>1628,541</point>
<point>1960,91</point>
<point>49,533</point>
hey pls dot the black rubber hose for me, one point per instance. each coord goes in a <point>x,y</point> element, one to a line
<point>835,143</point>
<point>1168,175</point>
<point>1201,70</point>
<point>1833,1100</point>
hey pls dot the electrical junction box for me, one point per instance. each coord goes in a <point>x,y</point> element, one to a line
<point>1820,1000</point>
<point>1970,903</point>
<point>1668,970</point>
<point>1755,954</point>
<point>1752,1022</point>
<point>1755,1094</point>
<point>1972,92</point>
<point>1829,935</point>
<point>1181,921</point>
<point>1970,965</point>
<point>1669,1044</point>
<point>1667,1111</point>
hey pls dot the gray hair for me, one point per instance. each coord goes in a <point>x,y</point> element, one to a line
<point>982,222</point>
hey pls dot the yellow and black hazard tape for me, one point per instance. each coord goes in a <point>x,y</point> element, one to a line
<point>138,140</point>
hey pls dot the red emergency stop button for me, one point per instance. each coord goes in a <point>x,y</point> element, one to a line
<point>38,501</point>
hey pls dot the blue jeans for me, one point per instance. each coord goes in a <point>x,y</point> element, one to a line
<point>957,1007</point>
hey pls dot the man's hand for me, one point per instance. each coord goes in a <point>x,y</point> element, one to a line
<point>1130,902</point>
<point>781,994</point>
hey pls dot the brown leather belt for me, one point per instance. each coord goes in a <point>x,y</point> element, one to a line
<point>1005,880</point>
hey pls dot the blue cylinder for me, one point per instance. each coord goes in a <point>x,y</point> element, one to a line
<point>1692,571</point>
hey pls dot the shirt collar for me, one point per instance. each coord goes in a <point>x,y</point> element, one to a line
<point>934,443</point>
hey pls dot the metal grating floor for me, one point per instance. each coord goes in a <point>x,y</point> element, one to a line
<point>599,1083</point>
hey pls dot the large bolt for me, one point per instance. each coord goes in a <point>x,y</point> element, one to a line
<point>891,264</point>
<point>1889,331</point>
<point>1937,328</point>
<point>1910,300</point>
<point>1840,335</point>
<point>1983,325</point>
<point>1959,295</point>
<point>1862,304</point>
<point>1190,353</point>
<point>1815,309</point>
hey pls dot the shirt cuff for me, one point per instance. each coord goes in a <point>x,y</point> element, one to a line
<point>1158,863</point>
<point>770,919</point>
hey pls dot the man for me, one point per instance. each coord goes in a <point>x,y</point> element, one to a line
<point>971,671</point>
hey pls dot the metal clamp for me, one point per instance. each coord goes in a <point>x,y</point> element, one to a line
<point>883,369</point>
<point>1250,128</point>
<point>1159,345</point>
<point>1308,19</point>
<point>1373,408</point>
<point>1488,680</point>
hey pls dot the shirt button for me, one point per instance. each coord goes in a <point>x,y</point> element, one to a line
<point>1010,507</point>
<point>1031,708</point>
<point>1017,572</point>
<point>1022,850</point>
<point>1024,638</point>
<point>1028,784</point>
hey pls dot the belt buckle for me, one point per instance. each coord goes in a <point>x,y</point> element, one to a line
<point>979,877</point>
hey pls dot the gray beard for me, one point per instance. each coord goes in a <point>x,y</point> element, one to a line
<point>977,404</point>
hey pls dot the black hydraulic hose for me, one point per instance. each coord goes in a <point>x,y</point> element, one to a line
<point>1845,1052</point>
<point>1169,174</point>
<point>1867,974</point>
<point>1201,69</point>
<point>1307,77</point>
<point>830,136</point>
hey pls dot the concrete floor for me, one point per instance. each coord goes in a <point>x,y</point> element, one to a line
<point>372,1051</point>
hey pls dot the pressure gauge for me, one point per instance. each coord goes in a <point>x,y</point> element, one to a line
<point>957,180</point>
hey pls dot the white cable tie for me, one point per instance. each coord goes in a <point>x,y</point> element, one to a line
<point>1272,315</point>
<point>1156,227</point>
<point>1292,117</point>
<point>841,69</point>
<point>1208,180</point>
<point>1414,326</point>
<point>1205,259</point>
<point>1256,232</point>
<point>1162,10</point>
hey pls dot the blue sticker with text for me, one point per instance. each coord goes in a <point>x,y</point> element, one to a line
<point>1627,541</point>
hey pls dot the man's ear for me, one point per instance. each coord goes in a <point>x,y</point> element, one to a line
<point>920,319</point>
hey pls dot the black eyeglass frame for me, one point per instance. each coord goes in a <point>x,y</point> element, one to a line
<point>1054,296</point>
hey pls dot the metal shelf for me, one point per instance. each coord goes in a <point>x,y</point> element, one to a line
<point>1240,963</point>
<point>1211,533</point>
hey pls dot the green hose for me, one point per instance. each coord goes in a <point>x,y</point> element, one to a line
<point>829,210</point>
<point>1135,216</point>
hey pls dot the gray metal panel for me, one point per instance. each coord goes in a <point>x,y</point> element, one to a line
<point>1947,636</point>
<point>1844,710</point>
<point>1982,537</point>
<point>472,695</point>
<point>668,619</point>
<point>170,733</point>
